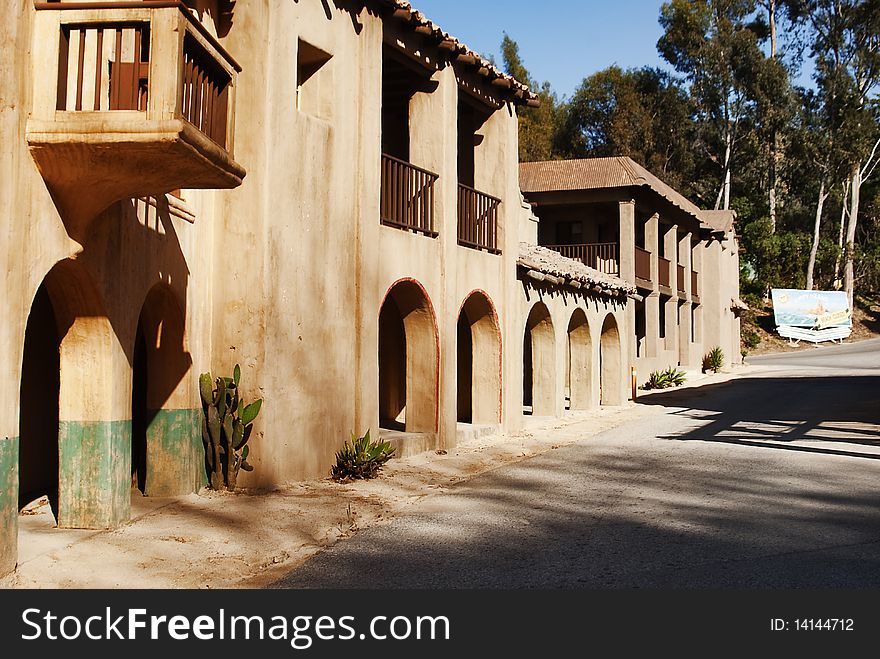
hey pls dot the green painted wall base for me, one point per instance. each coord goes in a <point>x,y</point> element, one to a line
<point>94,474</point>
<point>8,504</point>
<point>175,454</point>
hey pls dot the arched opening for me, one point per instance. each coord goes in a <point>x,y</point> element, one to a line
<point>38,411</point>
<point>479,362</point>
<point>74,447</point>
<point>610,365</point>
<point>164,421</point>
<point>580,362</point>
<point>408,360</point>
<point>539,363</point>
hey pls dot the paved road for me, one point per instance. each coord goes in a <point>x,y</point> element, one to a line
<point>768,481</point>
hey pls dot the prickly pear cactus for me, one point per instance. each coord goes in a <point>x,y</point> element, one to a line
<point>226,428</point>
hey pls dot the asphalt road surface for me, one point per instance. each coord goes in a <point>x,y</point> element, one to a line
<point>769,481</point>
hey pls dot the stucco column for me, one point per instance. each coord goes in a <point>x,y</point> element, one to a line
<point>670,246</point>
<point>439,144</point>
<point>94,434</point>
<point>652,242</point>
<point>627,244</point>
<point>684,320</point>
<point>652,301</point>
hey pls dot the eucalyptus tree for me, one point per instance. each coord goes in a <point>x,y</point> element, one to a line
<point>641,113</point>
<point>537,125</point>
<point>715,44</point>
<point>846,49</point>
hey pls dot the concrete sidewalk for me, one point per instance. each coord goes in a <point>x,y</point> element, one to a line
<point>250,538</point>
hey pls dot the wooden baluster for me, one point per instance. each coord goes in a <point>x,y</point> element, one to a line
<point>63,66</point>
<point>136,71</point>
<point>99,61</point>
<point>116,78</point>
<point>79,69</point>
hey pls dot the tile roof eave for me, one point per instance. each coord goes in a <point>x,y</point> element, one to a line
<point>520,93</point>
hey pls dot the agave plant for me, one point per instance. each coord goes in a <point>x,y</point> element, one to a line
<point>714,360</point>
<point>669,377</point>
<point>361,458</point>
<point>226,428</point>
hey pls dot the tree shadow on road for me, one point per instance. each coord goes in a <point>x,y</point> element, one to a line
<point>828,415</point>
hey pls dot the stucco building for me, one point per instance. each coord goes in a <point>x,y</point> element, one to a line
<point>614,215</point>
<point>326,193</point>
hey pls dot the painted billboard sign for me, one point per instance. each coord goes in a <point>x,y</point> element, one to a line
<point>816,309</point>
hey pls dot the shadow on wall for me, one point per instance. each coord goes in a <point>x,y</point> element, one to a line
<point>75,327</point>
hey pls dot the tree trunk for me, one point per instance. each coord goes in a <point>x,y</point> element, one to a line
<point>840,234</point>
<point>724,192</point>
<point>815,247</point>
<point>774,137</point>
<point>848,273</point>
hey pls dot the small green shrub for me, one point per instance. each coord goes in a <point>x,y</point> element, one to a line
<point>751,339</point>
<point>670,377</point>
<point>361,458</point>
<point>714,360</point>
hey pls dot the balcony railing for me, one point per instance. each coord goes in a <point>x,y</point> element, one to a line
<point>643,264</point>
<point>407,199</point>
<point>601,256</point>
<point>680,277</point>
<point>132,98</point>
<point>663,274</point>
<point>477,219</point>
<point>695,290</point>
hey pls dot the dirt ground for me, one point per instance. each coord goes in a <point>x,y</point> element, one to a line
<point>248,539</point>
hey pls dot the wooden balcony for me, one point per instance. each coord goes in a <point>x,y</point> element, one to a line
<point>407,198</point>
<point>478,220</point>
<point>663,272</point>
<point>643,264</point>
<point>601,256</point>
<point>131,99</point>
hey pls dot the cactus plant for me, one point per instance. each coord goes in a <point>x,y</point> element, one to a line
<point>226,428</point>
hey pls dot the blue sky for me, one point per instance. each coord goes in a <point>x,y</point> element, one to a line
<point>560,41</point>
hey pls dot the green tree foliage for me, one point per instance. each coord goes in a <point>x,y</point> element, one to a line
<point>537,125</point>
<point>715,45</point>
<point>735,132</point>
<point>641,113</point>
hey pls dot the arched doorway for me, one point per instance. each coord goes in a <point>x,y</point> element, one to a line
<point>580,361</point>
<point>610,363</point>
<point>479,361</point>
<point>73,443</point>
<point>38,411</point>
<point>164,420</point>
<point>408,360</point>
<point>539,363</point>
